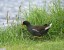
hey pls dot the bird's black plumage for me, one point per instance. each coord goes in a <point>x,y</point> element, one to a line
<point>37,30</point>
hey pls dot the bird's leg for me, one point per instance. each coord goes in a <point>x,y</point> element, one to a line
<point>37,37</point>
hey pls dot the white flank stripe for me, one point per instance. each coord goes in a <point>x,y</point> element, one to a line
<point>35,30</point>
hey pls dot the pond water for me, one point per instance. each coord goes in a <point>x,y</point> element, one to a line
<point>13,6</point>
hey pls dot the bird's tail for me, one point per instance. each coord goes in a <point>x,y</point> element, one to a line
<point>48,26</point>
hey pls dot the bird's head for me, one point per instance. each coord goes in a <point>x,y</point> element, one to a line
<point>26,23</point>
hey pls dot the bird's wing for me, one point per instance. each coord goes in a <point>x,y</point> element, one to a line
<point>38,28</point>
<point>44,27</point>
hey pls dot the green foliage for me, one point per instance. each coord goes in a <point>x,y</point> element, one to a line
<point>38,16</point>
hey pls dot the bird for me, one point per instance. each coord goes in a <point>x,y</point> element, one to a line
<point>37,30</point>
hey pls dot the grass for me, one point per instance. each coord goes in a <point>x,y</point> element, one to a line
<point>33,45</point>
<point>16,37</point>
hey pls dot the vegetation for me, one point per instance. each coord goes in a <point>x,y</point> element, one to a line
<point>16,37</point>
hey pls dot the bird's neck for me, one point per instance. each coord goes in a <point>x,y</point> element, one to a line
<point>29,25</point>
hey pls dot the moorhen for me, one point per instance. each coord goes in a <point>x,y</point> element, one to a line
<point>37,30</point>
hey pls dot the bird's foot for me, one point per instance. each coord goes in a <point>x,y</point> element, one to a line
<point>37,37</point>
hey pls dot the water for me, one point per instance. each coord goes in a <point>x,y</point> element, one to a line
<point>13,5</point>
